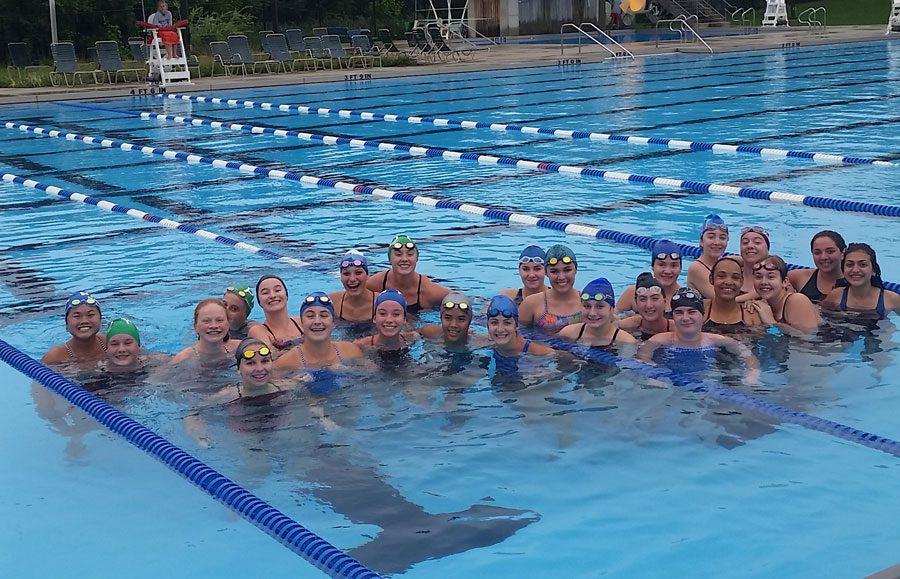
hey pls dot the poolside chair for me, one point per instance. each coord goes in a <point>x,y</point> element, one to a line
<point>423,44</point>
<point>221,53</point>
<point>278,50</point>
<point>240,49</point>
<point>412,45</point>
<point>294,38</point>
<point>439,46</point>
<point>318,52</point>
<point>263,34</point>
<point>363,45</point>
<point>20,58</point>
<point>320,32</point>
<point>140,52</point>
<point>110,62</point>
<point>332,43</point>
<point>386,40</point>
<point>64,64</point>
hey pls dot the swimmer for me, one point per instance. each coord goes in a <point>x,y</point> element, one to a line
<point>665,261</point>
<point>419,292</point>
<point>317,350</point>
<point>792,312</point>
<point>754,249</point>
<point>456,317</point>
<point>390,321</point>
<point>123,348</point>
<point>598,330</point>
<point>713,243</point>
<point>532,261</point>
<point>213,345</point>
<point>86,346</point>
<point>724,315</point>
<point>541,309</point>
<point>239,300</point>
<point>279,330</point>
<point>503,331</point>
<point>864,292</point>
<point>827,247</point>
<point>688,349</point>
<point>650,305</point>
<point>355,303</point>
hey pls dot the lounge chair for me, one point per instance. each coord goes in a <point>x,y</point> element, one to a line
<point>140,52</point>
<point>332,43</point>
<point>278,50</point>
<point>341,32</point>
<point>240,49</point>
<point>423,44</point>
<point>263,34</point>
<point>64,64</point>
<point>386,40</point>
<point>294,38</point>
<point>363,46</point>
<point>412,44</point>
<point>318,52</point>
<point>20,58</point>
<point>110,62</point>
<point>320,32</point>
<point>221,53</point>
<point>439,46</point>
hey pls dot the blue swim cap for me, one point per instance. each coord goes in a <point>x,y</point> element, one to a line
<point>686,297</point>
<point>663,249</point>
<point>713,221</point>
<point>81,298</point>
<point>500,305</point>
<point>560,253</point>
<point>390,296</point>
<point>352,258</point>
<point>600,290</point>
<point>533,254</point>
<point>320,299</point>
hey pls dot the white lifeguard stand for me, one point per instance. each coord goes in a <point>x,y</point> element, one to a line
<point>167,71</point>
<point>894,18</point>
<point>776,13</point>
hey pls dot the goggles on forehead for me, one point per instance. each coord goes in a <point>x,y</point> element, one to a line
<point>565,259</point>
<point>234,290</point>
<point>355,262</point>
<point>461,305</point>
<point>250,354</point>
<point>754,229</point>
<point>407,245</point>
<point>527,259</point>
<point>321,299</point>
<point>715,227</point>
<point>89,301</point>
<point>597,297</point>
<point>672,255</point>
<point>765,265</point>
<point>653,290</point>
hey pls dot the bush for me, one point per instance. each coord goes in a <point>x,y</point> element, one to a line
<point>219,26</point>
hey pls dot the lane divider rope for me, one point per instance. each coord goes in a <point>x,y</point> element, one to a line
<point>534,130</point>
<point>279,526</point>
<point>642,241</point>
<point>55,191</point>
<point>547,167</point>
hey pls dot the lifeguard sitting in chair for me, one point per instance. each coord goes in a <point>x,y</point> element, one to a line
<point>166,30</point>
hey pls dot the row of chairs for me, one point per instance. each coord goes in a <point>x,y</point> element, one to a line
<point>429,43</point>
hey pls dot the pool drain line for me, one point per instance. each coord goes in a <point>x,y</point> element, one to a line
<point>547,167</point>
<point>546,131</point>
<point>642,241</point>
<point>279,526</point>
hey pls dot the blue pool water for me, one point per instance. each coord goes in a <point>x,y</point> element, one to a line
<point>581,471</point>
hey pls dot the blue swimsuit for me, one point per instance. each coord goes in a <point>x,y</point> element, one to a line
<point>686,361</point>
<point>879,307</point>
<point>509,365</point>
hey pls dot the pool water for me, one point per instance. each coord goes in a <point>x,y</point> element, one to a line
<point>442,468</point>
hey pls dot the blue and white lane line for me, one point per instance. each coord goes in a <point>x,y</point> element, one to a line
<point>547,167</point>
<point>642,241</point>
<point>550,132</point>
<point>55,191</point>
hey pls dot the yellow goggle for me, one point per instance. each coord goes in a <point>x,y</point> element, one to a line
<point>89,301</point>
<point>566,260</point>
<point>598,297</point>
<point>236,291</point>
<point>461,305</point>
<point>250,354</point>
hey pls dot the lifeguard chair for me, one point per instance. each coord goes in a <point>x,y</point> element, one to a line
<point>894,19</point>
<point>166,71</point>
<point>776,14</point>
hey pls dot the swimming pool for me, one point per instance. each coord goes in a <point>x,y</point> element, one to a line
<point>580,471</point>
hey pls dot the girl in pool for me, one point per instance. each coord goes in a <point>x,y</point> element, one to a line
<point>724,315</point>
<point>665,261</point>
<point>317,350</point>
<point>864,291</point>
<point>239,300</point>
<point>456,318</point>
<point>827,248</point>
<point>503,331</point>
<point>213,346</point>
<point>754,249</point>
<point>687,349</point>
<point>713,243</point>
<point>279,330</point>
<point>390,321</point>
<point>87,346</point>
<point>598,329</point>
<point>123,348</point>
<point>792,312</point>
<point>531,271</point>
<point>418,291</point>
<point>355,303</point>
<point>560,305</point>
<point>650,304</point>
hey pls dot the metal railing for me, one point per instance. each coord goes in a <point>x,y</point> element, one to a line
<point>457,31</point>
<point>810,17</point>
<point>746,17</point>
<point>582,32</point>
<point>681,25</point>
<point>603,33</point>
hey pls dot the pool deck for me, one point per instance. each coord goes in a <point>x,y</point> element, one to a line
<point>506,56</point>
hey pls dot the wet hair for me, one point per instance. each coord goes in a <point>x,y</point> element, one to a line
<point>734,260</point>
<point>834,236</point>
<point>780,265</point>
<point>264,278</point>
<point>217,301</point>
<point>867,249</point>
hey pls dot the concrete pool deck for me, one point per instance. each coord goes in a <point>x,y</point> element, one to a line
<point>505,56</point>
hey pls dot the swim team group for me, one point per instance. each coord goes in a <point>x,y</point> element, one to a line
<point>681,328</point>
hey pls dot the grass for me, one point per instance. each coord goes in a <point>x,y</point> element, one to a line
<point>850,12</point>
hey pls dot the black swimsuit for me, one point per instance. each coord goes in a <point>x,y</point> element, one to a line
<point>414,308</point>
<point>721,328</point>
<point>341,308</point>
<point>811,288</point>
<point>519,297</point>
<point>283,345</point>
<point>612,341</point>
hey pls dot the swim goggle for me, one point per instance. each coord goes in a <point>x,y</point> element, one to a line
<point>461,305</point>
<point>89,301</point>
<point>598,297</point>
<point>754,229</point>
<point>250,354</point>
<point>494,312</point>
<point>355,262</point>
<point>765,265</point>
<point>671,255</point>
<point>648,291</point>
<point>321,299</point>
<point>527,259</point>
<point>565,259</point>
<point>235,290</point>
<point>407,245</point>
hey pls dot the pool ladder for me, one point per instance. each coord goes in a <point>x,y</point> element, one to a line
<point>681,25</point>
<point>810,17</point>
<point>623,52</point>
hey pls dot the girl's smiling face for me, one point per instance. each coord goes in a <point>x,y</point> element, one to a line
<point>532,275</point>
<point>211,324</point>
<point>826,254</point>
<point>754,248</point>
<point>317,323</point>
<point>272,295</point>
<point>502,331</point>
<point>562,276</point>
<point>667,270</point>
<point>404,260</point>
<point>858,269</point>
<point>354,279</point>
<point>390,317</point>
<point>713,242</point>
<point>83,321</point>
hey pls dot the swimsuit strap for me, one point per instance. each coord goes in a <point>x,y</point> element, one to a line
<point>373,304</point>
<point>879,307</point>
<point>700,261</point>
<point>842,307</point>
<point>784,309</point>
<point>70,353</point>
<point>519,297</point>
<point>302,357</point>
<point>296,325</point>
<point>526,346</point>
<point>341,307</point>
<point>581,332</point>
<point>419,291</point>
<point>337,351</point>
<point>614,336</point>
<point>384,285</point>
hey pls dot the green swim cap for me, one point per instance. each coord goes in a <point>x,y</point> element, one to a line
<point>243,292</point>
<point>401,240</point>
<point>123,326</point>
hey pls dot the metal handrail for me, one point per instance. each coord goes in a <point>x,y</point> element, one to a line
<point>608,37</point>
<point>682,22</point>
<point>477,34</point>
<point>811,18</point>
<point>562,40</point>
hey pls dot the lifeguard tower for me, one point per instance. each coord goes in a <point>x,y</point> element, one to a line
<point>166,71</point>
<point>894,18</point>
<point>776,14</point>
